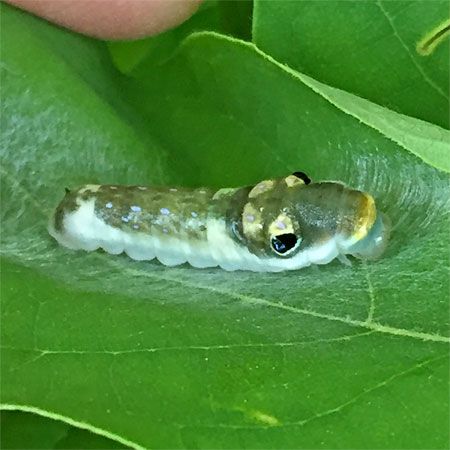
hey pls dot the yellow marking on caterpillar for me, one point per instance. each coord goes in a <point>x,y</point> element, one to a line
<point>281,225</point>
<point>261,187</point>
<point>292,180</point>
<point>90,188</point>
<point>367,216</point>
<point>251,221</point>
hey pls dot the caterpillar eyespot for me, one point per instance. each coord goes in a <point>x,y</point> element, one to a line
<point>279,224</point>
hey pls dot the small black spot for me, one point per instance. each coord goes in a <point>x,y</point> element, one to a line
<point>302,176</point>
<point>67,190</point>
<point>283,243</point>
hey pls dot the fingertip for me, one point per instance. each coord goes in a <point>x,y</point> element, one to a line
<point>113,19</point>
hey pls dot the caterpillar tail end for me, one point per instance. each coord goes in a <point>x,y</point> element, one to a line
<point>71,220</point>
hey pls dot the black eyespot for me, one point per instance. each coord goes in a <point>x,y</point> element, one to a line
<point>302,176</point>
<point>284,242</point>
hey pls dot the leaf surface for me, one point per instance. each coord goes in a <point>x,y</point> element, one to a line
<point>325,357</point>
<point>22,430</point>
<point>393,53</point>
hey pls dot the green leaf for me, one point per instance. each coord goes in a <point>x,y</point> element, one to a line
<point>431,143</point>
<point>377,49</point>
<point>21,430</point>
<point>427,141</point>
<point>155,357</point>
<point>30,431</point>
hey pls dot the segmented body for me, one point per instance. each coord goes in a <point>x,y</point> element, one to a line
<point>276,225</point>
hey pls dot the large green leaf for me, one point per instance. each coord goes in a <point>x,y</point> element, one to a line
<point>326,357</point>
<point>378,49</point>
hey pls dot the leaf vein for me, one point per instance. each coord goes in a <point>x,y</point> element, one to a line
<point>371,293</point>
<point>364,392</point>
<point>302,422</point>
<point>374,326</point>
<point>43,352</point>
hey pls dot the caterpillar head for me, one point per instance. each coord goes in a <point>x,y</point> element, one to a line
<point>310,223</point>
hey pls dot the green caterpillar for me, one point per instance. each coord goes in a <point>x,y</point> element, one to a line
<point>279,224</point>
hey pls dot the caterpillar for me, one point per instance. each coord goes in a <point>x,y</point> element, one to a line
<point>275,225</point>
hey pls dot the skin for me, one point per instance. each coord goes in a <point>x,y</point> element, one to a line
<point>112,19</point>
<point>155,211</point>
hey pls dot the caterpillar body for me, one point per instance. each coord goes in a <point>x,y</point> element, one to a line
<point>275,225</point>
